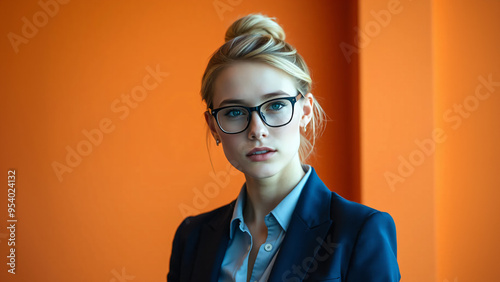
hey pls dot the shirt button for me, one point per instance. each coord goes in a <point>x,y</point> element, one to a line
<point>268,247</point>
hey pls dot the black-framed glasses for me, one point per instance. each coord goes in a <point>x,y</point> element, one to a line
<point>274,113</point>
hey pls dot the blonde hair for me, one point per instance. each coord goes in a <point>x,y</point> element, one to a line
<point>258,38</point>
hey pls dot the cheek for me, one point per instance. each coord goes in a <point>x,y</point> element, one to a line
<point>293,127</point>
<point>231,146</point>
<point>231,139</point>
<point>294,132</point>
<point>289,134</point>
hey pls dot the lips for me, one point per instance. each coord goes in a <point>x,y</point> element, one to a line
<point>261,154</point>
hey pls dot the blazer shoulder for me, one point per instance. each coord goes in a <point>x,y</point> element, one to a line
<point>188,236</point>
<point>369,239</point>
<point>192,223</point>
<point>354,214</point>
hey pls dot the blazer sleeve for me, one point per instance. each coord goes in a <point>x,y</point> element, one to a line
<point>174,273</point>
<point>374,255</point>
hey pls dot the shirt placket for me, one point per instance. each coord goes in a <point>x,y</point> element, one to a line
<point>241,274</point>
<point>268,249</point>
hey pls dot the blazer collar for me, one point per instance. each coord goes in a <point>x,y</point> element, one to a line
<point>214,237</point>
<point>308,228</point>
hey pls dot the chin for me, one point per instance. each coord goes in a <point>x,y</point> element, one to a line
<point>261,170</point>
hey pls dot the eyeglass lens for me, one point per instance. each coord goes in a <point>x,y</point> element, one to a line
<point>273,113</point>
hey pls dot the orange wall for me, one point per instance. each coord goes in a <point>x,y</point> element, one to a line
<point>396,110</point>
<point>425,160</point>
<point>467,45</point>
<point>113,213</point>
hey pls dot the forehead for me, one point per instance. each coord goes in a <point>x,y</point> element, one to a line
<point>250,81</point>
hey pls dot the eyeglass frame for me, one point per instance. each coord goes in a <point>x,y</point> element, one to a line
<point>293,100</point>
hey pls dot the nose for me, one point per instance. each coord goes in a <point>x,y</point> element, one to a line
<point>257,129</point>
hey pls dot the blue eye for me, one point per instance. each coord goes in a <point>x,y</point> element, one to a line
<point>276,106</point>
<point>234,112</point>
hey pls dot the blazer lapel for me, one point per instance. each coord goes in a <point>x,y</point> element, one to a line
<point>214,237</point>
<point>307,230</point>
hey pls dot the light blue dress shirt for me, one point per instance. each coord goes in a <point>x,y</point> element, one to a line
<point>235,264</point>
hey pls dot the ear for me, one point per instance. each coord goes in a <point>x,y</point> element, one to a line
<point>211,124</point>
<point>307,109</point>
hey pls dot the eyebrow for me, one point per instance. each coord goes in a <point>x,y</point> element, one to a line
<point>265,96</point>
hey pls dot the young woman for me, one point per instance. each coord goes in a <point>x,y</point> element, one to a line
<point>285,224</point>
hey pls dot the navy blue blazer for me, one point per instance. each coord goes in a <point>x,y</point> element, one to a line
<point>329,239</point>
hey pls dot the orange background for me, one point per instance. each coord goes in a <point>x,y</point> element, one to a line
<point>114,215</point>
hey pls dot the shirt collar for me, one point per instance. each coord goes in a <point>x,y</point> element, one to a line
<point>282,212</point>
<point>238,211</point>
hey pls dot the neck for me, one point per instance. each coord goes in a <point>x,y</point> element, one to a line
<point>263,195</point>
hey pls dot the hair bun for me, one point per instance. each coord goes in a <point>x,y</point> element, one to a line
<point>255,24</point>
